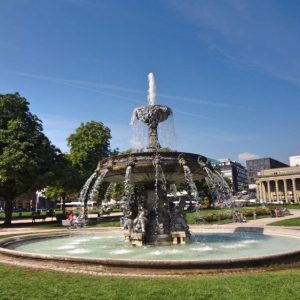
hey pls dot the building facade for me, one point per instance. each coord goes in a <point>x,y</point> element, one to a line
<point>294,161</point>
<point>236,173</point>
<point>280,185</point>
<point>256,165</point>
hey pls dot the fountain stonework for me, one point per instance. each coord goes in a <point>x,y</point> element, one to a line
<point>150,218</point>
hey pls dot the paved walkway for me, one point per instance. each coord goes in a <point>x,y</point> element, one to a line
<point>28,220</point>
<point>265,221</point>
<point>251,223</point>
<point>260,225</point>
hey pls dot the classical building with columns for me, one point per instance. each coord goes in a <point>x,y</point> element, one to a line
<point>280,185</point>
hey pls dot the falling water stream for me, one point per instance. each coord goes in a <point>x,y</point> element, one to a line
<point>85,189</point>
<point>219,188</point>
<point>189,179</point>
<point>110,190</point>
<point>128,186</point>
<point>94,191</point>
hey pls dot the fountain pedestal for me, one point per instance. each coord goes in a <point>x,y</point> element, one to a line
<point>179,237</point>
<point>137,239</point>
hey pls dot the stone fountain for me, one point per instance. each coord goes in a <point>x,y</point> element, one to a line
<point>149,216</point>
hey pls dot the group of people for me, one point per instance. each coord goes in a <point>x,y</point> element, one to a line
<point>277,212</point>
<point>75,220</point>
<point>239,217</point>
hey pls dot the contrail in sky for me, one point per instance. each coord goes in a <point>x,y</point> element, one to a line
<point>98,88</point>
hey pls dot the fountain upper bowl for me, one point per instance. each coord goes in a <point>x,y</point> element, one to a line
<point>152,113</point>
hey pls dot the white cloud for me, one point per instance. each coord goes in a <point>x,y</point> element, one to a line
<point>247,156</point>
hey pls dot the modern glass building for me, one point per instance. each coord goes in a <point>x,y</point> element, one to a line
<point>236,172</point>
<point>256,165</point>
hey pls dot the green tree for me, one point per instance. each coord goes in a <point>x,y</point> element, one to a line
<point>26,154</point>
<point>66,181</point>
<point>89,144</point>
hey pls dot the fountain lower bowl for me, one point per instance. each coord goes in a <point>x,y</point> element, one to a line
<point>240,250</point>
<point>143,169</point>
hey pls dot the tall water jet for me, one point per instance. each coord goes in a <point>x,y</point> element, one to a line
<point>152,115</point>
<point>152,89</point>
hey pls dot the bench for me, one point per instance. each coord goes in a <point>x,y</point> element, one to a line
<point>38,217</point>
<point>71,224</point>
<point>66,223</point>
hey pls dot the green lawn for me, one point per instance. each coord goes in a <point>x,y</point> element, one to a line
<point>288,222</point>
<point>19,283</point>
<point>109,224</point>
<point>289,206</point>
<point>224,216</point>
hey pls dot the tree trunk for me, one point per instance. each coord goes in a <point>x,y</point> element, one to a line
<point>8,209</point>
<point>63,199</point>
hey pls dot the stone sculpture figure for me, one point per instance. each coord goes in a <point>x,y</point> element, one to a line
<point>178,222</point>
<point>127,224</point>
<point>139,223</point>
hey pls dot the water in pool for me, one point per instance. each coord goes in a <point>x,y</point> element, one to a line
<point>206,246</point>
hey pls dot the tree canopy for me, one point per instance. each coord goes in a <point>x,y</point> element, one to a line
<point>26,154</point>
<point>89,144</point>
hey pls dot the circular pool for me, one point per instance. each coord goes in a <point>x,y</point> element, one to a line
<point>206,250</point>
<point>202,247</point>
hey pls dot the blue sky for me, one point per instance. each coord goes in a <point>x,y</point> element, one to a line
<point>230,69</point>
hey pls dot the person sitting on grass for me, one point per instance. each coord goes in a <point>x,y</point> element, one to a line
<point>70,216</point>
<point>242,218</point>
<point>80,221</point>
<point>74,220</point>
<point>236,216</point>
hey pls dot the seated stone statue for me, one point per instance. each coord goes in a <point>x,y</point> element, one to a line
<point>161,229</point>
<point>127,224</point>
<point>139,223</point>
<point>178,222</point>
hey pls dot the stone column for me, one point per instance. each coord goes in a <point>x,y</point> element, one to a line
<point>294,190</point>
<point>263,191</point>
<point>258,190</point>
<point>276,189</point>
<point>269,192</point>
<point>286,196</point>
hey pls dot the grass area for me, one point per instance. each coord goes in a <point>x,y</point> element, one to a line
<point>190,216</point>
<point>19,283</point>
<point>109,224</point>
<point>216,216</point>
<point>289,206</point>
<point>288,222</point>
<point>225,215</point>
<point>28,214</point>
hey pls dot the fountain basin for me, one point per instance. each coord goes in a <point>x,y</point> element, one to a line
<point>152,113</point>
<point>240,250</point>
<point>143,169</point>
